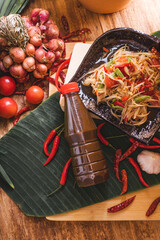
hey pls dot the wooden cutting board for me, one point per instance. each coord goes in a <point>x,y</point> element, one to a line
<point>98,212</point>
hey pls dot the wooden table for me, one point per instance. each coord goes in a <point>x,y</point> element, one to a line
<point>143,15</point>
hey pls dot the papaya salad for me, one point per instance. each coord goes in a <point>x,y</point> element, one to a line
<point>129,83</point>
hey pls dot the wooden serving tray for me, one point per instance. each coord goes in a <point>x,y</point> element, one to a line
<point>98,212</point>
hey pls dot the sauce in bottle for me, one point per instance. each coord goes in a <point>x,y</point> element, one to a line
<point>89,164</point>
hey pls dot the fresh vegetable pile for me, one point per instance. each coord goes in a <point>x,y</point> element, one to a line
<point>32,47</point>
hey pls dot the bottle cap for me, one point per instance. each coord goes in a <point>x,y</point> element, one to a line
<point>69,87</point>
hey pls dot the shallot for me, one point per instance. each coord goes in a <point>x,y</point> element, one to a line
<point>50,57</point>
<point>3,54</point>
<point>35,15</point>
<point>7,61</point>
<point>36,74</point>
<point>49,22</point>
<point>17,71</point>
<point>149,161</point>
<point>27,21</point>
<point>52,45</point>
<point>41,68</point>
<point>30,50</point>
<point>17,54</point>
<point>3,42</point>
<point>43,16</point>
<point>36,40</point>
<point>52,31</point>
<point>29,64</point>
<point>2,67</point>
<point>40,55</point>
<point>34,31</point>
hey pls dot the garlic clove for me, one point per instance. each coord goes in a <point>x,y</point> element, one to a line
<point>149,162</point>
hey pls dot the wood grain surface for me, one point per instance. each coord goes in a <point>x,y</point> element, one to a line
<point>143,15</point>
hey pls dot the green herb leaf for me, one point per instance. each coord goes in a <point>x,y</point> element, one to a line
<point>109,63</point>
<point>157,34</point>
<point>100,85</point>
<point>118,73</point>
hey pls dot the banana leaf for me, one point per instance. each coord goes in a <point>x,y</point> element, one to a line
<point>22,157</point>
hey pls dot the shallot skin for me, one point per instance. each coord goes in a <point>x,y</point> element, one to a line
<point>149,161</point>
<point>30,50</point>
<point>29,64</point>
<point>17,54</point>
<point>7,61</point>
<point>17,71</point>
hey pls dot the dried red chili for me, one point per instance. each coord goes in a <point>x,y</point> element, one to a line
<point>20,93</point>
<point>153,207</point>
<point>54,148</point>
<point>141,145</point>
<point>49,138</point>
<point>121,205</point>
<point>20,112</point>
<point>62,76</point>
<point>130,150</point>
<point>65,24</point>
<point>116,163</point>
<point>63,177</point>
<point>76,33</point>
<point>156,140</point>
<point>52,80</point>
<point>124,181</point>
<point>138,171</point>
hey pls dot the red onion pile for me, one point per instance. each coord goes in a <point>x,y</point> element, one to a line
<point>43,48</point>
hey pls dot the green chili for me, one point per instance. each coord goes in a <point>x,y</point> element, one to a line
<point>141,98</point>
<point>116,107</point>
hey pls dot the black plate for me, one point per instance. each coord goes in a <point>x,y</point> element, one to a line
<point>114,39</point>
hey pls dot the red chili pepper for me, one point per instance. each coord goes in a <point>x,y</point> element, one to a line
<point>116,163</point>
<point>124,181</point>
<point>105,49</point>
<point>118,103</point>
<point>130,150</point>
<point>63,177</point>
<point>49,138</point>
<point>156,140</point>
<point>99,135</point>
<point>141,145</point>
<point>153,207</point>
<point>20,112</point>
<point>54,150</point>
<point>61,66</point>
<point>138,171</point>
<point>121,205</point>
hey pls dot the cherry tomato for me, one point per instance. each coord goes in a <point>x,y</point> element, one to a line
<point>8,107</point>
<point>7,85</point>
<point>35,95</point>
